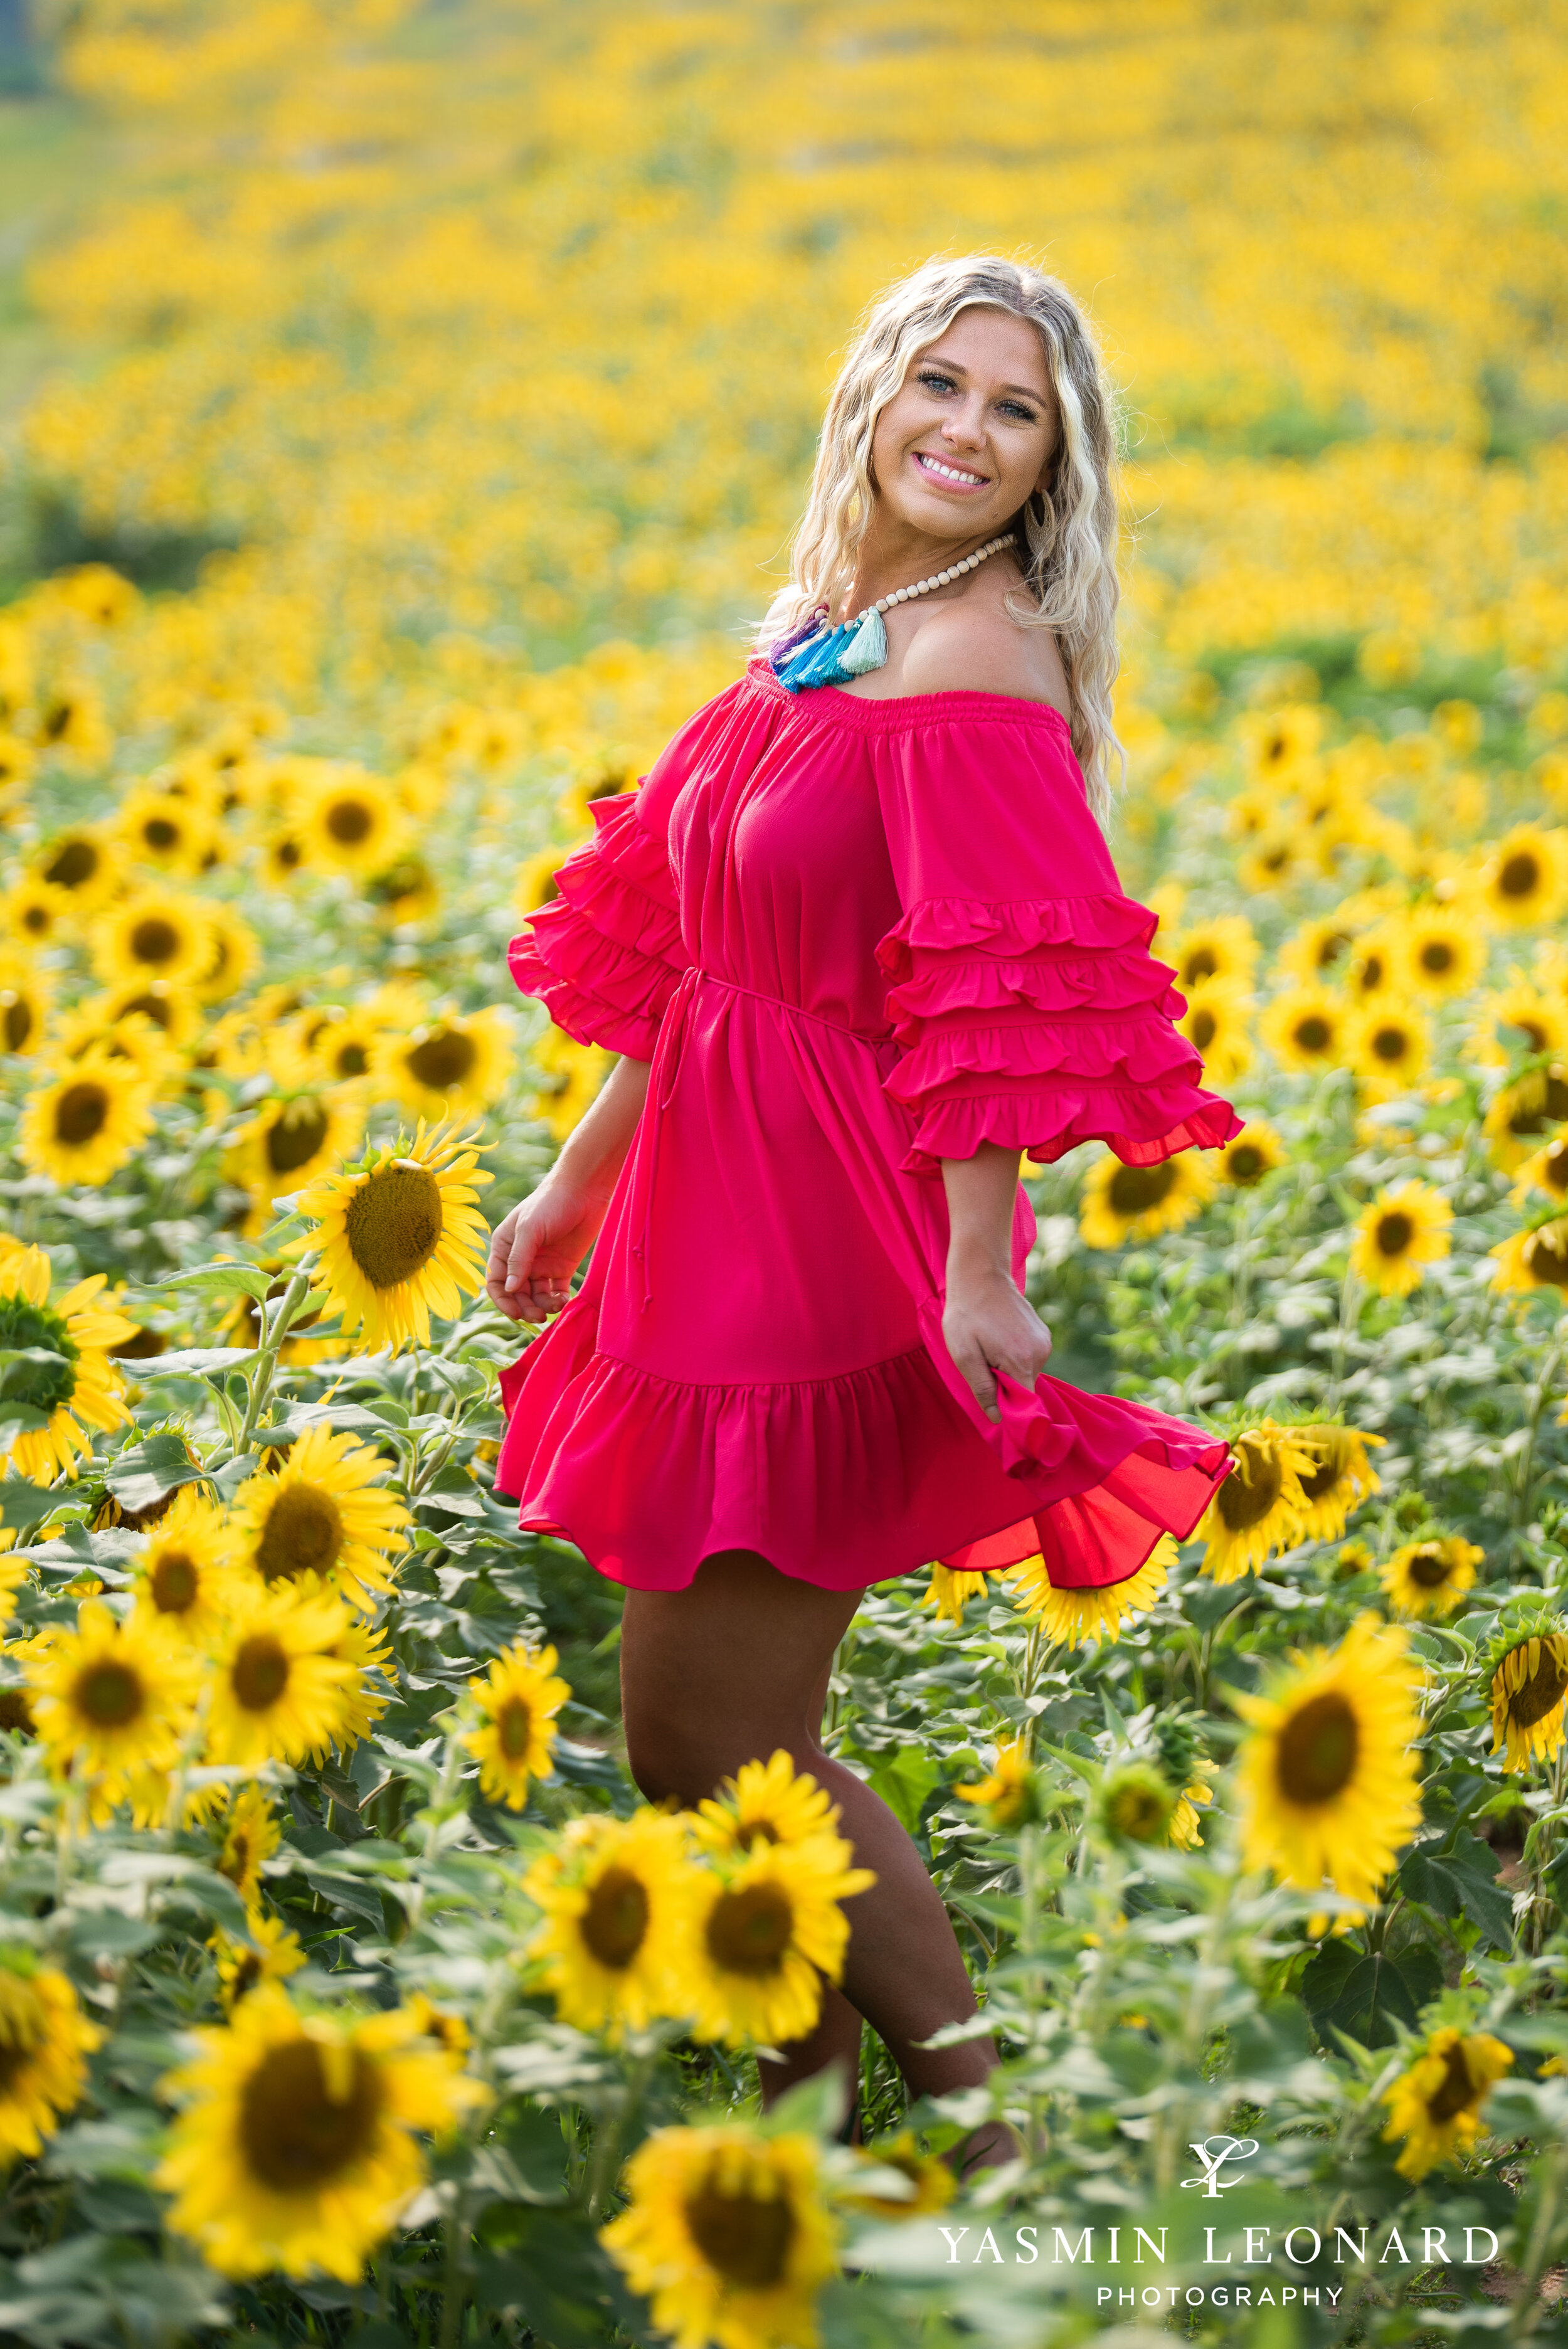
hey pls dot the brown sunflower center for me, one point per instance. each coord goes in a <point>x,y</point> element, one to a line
<point>442,1060</point>
<point>81,1113</point>
<point>1316,1483</point>
<point>37,920</point>
<point>287,855</point>
<point>1331,949</point>
<point>1534,1698</point>
<point>1203,1028</point>
<point>247,1974</point>
<point>744,2238</point>
<point>154,940</point>
<point>175,1581</point>
<point>393,1225</point>
<point>1317,1749</point>
<point>297,2132</point>
<point>260,1671</point>
<point>296,1134</point>
<point>1437,956</point>
<point>303,1535</point>
<point>1426,1567</point>
<point>1252,1489</point>
<point>1246,1164</point>
<point>1520,875</point>
<point>109,1694</point>
<point>160,833</point>
<point>749,1833</point>
<point>749,1931</point>
<point>23,2029</point>
<point>151,1006</point>
<point>1139,1814</point>
<point>15,1019</point>
<point>1455,2092</point>
<point>349,821</point>
<point>1201,963</point>
<point>1541,1105</point>
<point>16,1714</point>
<point>1546,1256</point>
<point>1369,977</point>
<point>1390,1042</point>
<point>235,1863</point>
<point>350,1061</point>
<point>1555,1168</point>
<point>1392,1234</point>
<point>513,1728</point>
<point>615,1924</point>
<point>1135,1189</point>
<point>73,864</point>
<point>1313,1034</point>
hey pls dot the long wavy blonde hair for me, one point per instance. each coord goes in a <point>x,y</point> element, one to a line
<point>1069,537</point>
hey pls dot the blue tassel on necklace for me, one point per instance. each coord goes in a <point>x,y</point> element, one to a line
<point>817,655</point>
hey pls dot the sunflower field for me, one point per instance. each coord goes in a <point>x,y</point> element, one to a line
<point>403,410</point>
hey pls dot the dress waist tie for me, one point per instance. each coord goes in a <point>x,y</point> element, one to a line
<point>663,1077</point>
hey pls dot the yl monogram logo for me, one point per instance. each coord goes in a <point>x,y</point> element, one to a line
<point>1213,2153</point>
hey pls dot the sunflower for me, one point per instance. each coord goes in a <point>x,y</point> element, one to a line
<point>1274,859</point>
<point>573,1074</point>
<point>1186,1829</point>
<point>351,824</point>
<point>185,1583</point>
<point>1547,1171</point>
<point>16,758</point>
<point>1339,1479</point>
<point>156,934</point>
<point>157,828</point>
<point>251,1836</point>
<point>930,2182</point>
<point>297,2147</point>
<point>34,914</point>
<point>283,859</point>
<point>272,1954</point>
<point>400,1236</point>
<point>535,887</point>
<point>82,864</point>
<point>44,2040</point>
<point>727,2235</point>
<point>1438,952</point>
<point>1524,1113</point>
<point>1251,1155</point>
<point>78,1388</point>
<point>1405,1230</point>
<point>277,1690</point>
<point>1136,1802</point>
<point>1529,1669</point>
<point>1258,1510</point>
<point>1225,948</point>
<point>518,1699</point>
<point>323,1516</point>
<point>25,996</point>
<point>1524,881</point>
<point>367,1652</point>
<point>344,1044</point>
<point>1306,1030</point>
<point>133,1045</point>
<point>1535,1260</point>
<point>617,1897</point>
<point>1389,1045</point>
<point>1011,1791</point>
<point>1137,1203</point>
<point>767,1803</point>
<point>1319,951</point>
<point>1375,962</point>
<point>80,1127</point>
<point>1329,1777</point>
<point>1071,1616</point>
<point>1215,1020</point>
<point>303,1132</point>
<point>236,952</point>
<point>1519,1020</point>
<point>1427,1580</point>
<point>451,1067</point>
<point>111,1697</point>
<point>950,1592</point>
<point>1436,2105</point>
<point>1279,744</point>
<point>407,891</point>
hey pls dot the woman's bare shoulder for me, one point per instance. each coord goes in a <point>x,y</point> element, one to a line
<point>973,646</point>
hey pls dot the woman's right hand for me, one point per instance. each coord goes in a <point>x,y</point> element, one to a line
<point>536,1248</point>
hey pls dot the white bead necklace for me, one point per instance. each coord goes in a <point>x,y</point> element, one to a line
<point>818,653</point>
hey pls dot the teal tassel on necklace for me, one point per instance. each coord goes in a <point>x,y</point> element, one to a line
<point>816,654</point>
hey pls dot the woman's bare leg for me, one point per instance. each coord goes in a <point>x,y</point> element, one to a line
<point>726,1673</point>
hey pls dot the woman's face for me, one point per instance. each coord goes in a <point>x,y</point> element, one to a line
<point>973,431</point>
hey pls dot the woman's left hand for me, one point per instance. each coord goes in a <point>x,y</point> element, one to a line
<point>988,1325</point>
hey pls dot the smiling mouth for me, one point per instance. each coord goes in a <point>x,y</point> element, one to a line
<point>956,476</point>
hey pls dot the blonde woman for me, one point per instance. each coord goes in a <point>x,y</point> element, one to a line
<point>860,943</point>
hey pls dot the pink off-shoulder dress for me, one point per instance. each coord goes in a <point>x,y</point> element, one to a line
<point>854,939</point>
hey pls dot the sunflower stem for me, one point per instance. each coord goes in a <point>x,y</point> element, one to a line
<point>272,1336</point>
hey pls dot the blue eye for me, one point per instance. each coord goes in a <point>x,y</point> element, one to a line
<point>934,381</point>
<point>1014,408</point>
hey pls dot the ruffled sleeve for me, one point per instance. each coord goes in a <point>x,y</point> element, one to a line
<point>1021,988</point>
<point>605,955</point>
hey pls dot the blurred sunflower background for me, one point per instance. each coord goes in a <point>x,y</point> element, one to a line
<point>404,406</point>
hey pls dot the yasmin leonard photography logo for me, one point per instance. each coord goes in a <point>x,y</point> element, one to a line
<point>1213,2152</point>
